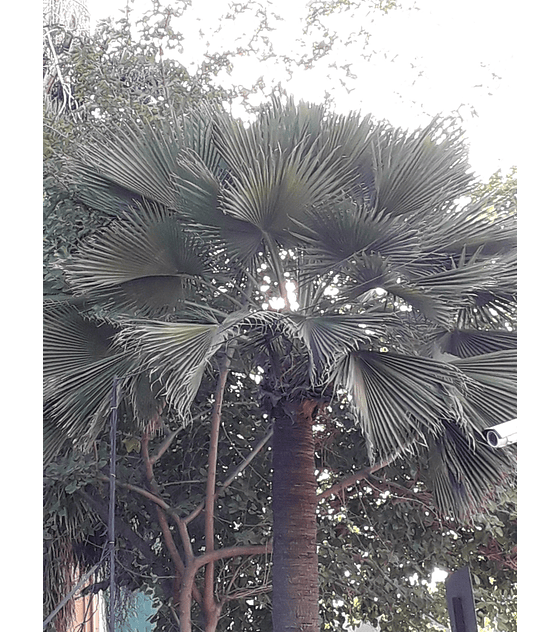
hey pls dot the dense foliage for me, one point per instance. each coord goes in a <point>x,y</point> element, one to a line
<point>379,541</point>
<point>388,531</point>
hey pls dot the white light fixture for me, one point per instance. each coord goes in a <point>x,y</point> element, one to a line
<point>501,435</point>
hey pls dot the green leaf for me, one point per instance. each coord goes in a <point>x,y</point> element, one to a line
<point>330,336</point>
<point>72,341</point>
<point>493,398</point>
<point>462,473</point>
<point>285,162</point>
<point>335,234</point>
<point>177,353</point>
<point>133,161</point>
<point>466,343</point>
<point>400,399</point>
<point>416,173</point>
<point>140,264</point>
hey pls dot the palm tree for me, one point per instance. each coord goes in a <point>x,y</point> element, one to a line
<point>332,256</point>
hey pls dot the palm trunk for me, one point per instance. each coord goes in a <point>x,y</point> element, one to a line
<point>295,584</point>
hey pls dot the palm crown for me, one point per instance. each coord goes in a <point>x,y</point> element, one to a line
<point>405,298</point>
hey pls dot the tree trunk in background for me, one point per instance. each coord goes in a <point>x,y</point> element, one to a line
<point>295,582</point>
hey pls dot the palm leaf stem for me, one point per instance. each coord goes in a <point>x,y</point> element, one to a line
<point>214,310</point>
<point>277,267</point>
<point>228,296</point>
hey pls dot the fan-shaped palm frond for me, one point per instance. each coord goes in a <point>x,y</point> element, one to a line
<point>399,399</point>
<point>490,309</point>
<point>139,264</point>
<point>79,404</point>
<point>406,402</point>
<point>419,172</point>
<point>366,275</point>
<point>120,167</point>
<point>330,336</point>
<point>459,285</point>
<point>198,188</point>
<point>441,295</point>
<point>81,359</point>
<point>462,473</point>
<point>72,341</point>
<point>471,342</point>
<point>494,400</point>
<point>80,362</point>
<point>470,228</point>
<point>335,234</point>
<point>175,353</point>
<point>274,177</point>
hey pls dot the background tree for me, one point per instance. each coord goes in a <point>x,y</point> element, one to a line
<point>385,519</point>
<point>500,193</point>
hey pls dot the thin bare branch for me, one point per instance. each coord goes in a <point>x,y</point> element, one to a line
<point>65,89</point>
<point>139,490</point>
<point>164,446</point>
<point>229,480</point>
<point>247,593</point>
<point>260,445</point>
<point>347,482</point>
<point>162,518</point>
<point>215,424</point>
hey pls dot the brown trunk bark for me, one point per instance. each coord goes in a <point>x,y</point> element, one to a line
<point>295,583</point>
<point>212,618</point>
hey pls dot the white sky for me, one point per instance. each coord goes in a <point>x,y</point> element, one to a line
<point>431,57</point>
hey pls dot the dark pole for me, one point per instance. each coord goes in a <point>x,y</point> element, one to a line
<point>112,488</point>
<point>460,601</point>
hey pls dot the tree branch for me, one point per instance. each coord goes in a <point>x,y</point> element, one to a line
<point>65,88</point>
<point>164,446</point>
<point>229,480</point>
<point>233,551</point>
<point>162,518</point>
<point>342,485</point>
<point>246,593</point>
<point>139,490</point>
<point>215,424</point>
<point>260,445</point>
<point>189,554</point>
<point>123,529</point>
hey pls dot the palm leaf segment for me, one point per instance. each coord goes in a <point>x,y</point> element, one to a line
<point>459,474</point>
<point>141,265</point>
<point>420,172</point>
<point>80,362</point>
<point>290,159</point>
<point>400,399</point>
<point>182,349</point>
<point>123,166</point>
<point>367,210</point>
